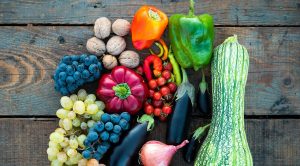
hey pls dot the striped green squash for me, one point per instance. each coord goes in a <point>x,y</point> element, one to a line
<point>226,142</point>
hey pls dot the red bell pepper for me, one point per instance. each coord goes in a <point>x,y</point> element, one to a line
<point>122,90</point>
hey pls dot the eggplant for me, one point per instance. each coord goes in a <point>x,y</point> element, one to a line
<point>124,153</point>
<point>179,122</point>
<point>195,141</point>
<point>203,97</point>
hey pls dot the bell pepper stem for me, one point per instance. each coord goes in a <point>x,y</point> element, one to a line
<point>147,118</point>
<point>192,8</point>
<point>122,90</point>
<point>203,84</point>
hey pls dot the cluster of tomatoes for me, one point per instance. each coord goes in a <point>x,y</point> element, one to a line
<point>161,94</point>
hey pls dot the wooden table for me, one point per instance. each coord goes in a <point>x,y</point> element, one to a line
<point>36,34</point>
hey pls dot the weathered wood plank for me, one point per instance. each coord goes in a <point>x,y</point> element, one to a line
<point>28,56</point>
<point>272,142</point>
<point>225,12</point>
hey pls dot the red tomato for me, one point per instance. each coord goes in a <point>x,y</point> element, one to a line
<point>166,74</point>
<point>146,103</point>
<point>162,118</point>
<point>151,93</point>
<point>161,81</point>
<point>157,103</point>
<point>157,111</point>
<point>168,66</point>
<point>172,86</point>
<point>157,96</point>
<point>167,109</point>
<point>152,84</point>
<point>164,90</point>
<point>149,109</point>
<point>168,97</point>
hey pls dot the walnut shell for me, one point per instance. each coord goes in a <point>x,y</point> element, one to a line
<point>109,62</point>
<point>115,45</point>
<point>102,27</point>
<point>129,59</point>
<point>121,27</point>
<point>95,46</point>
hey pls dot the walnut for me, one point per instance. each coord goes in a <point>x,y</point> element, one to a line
<point>102,28</point>
<point>115,45</point>
<point>121,27</point>
<point>109,62</point>
<point>95,46</point>
<point>129,59</point>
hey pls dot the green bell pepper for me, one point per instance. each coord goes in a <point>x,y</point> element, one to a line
<point>191,38</point>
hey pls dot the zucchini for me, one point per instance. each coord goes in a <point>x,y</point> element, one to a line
<point>226,142</point>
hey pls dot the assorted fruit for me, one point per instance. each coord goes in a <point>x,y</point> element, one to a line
<point>90,129</point>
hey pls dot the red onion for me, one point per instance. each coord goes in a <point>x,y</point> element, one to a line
<point>155,153</point>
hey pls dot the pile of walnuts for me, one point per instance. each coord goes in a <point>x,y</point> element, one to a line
<point>114,46</point>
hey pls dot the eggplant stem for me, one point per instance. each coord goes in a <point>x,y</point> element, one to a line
<point>198,133</point>
<point>203,84</point>
<point>184,76</point>
<point>147,118</point>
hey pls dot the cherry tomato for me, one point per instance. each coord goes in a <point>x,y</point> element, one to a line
<point>166,74</point>
<point>161,81</point>
<point>152,84</point>
<point>162,118</point>
<point>139,70</point>
<point>164,90</point>
<point>157,111</point>
<point>167,109</point>
<point>172,86</point>
<point>151,93</point>
<point>168,66</point>
<point>157,103</point>
<point>157,96</point>
<point>149,109</point>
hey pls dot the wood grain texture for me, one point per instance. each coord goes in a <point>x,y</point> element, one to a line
<point>29,55</point>
<point>225,12</point>
<point>272,142</point>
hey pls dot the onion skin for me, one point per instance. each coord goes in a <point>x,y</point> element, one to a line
<point>155,153</point>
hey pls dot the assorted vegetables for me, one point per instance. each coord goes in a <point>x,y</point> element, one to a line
<point>92,131</point>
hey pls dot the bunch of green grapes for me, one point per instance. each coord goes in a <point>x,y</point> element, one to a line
<point>79,112</point>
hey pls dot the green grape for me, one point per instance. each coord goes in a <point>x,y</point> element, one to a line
<point>51,151</point>
<point>82,162</point>
<point>66,102</point>
<point>92,109</point>
<point>82,94</point>
<point>100,104</point>
<point>60,123</point>
<point>80,140</point>
<point>74,97</point>
<point>71,115</point>
<point>90,123</point>
<point>62,113</point>
<point>61,131</point>
<point>76,122</point>
<point>65,143</point>
<point>71,152</point>
<point>75,159</point>
<point>54,145</point>
<point>52,157</point>
<point>62,157</point>
<point>97,116</point>
<point>56,163</point>
<point>88,102</point>
<point>67,124</point>
<point>79,107</point>
<point>68,162</point>
<point>56,137</point>
<point>91,97</point>
<point>73,143</point>
<point>83,126</point>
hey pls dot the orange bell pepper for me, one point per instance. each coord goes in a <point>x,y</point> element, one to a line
<point>147,26</point>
